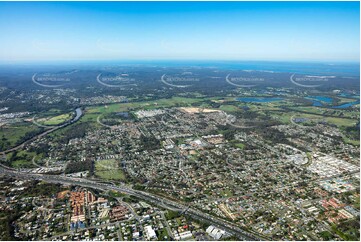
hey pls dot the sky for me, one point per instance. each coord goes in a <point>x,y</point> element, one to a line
<point>286,31</point>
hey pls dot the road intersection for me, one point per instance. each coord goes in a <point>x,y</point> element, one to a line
<point>160,201</point>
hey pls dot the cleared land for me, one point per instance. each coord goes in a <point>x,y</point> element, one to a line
<point>55,120</point>
<point>109,170</point>
<point>15,133</point>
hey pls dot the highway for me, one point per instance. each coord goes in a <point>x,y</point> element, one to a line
<point>159,201</point>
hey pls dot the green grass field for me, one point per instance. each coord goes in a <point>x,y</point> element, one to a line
<point>55,120</point>
<point>328,111</point>
<point>160,103</point>
<point>109,170</point>
<point>229,108</point>
<point>91,113</point>
<point>11,134</point>
<point>24,159</point>
<point>352,142</point>
<point>239,145</point>
<point>345,100</point>
<point>285,117</point>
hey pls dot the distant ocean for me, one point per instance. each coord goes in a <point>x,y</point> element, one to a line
<point>316,68</point>
<point>341,69</point>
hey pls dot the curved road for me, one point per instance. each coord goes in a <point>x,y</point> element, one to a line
<point>78,113</point>
<point>160,201</point>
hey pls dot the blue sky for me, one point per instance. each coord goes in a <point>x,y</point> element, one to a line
<point>309,31</point>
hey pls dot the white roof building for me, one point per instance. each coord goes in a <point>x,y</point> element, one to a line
<point>214,232</point>
<point>150,233</point>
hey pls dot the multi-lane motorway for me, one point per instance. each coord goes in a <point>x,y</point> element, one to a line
<point>159,201</point>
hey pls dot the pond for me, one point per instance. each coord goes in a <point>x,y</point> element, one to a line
<point>347,105</point>
<point>317,100</point>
